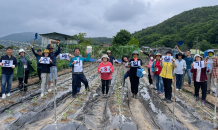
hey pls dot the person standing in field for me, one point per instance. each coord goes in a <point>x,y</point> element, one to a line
<point>125,62</point>
<point>7,72</point>
<point>53,56</point>
<point>45,72</point>
<point>156,69</point>
<point>106,69</point>
<point>181,65</point>
<point>167,76</point>
<point>189,60</point>
<point>24,69</point>
<point>77,64</point>
<point>150,73</point>
<point>200,79</point>
<point>134,64</point>
<point>38,55</point>
<point>111,57</point>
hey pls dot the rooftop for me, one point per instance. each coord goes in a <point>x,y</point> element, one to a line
<point>58,36</point>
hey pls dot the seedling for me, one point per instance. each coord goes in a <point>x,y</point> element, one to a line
<point>65,115</point>
<point>23,106</point>
<point>9,112</point>
<point>34,99</point>
<point>69,105</point>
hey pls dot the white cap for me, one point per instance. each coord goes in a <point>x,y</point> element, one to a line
<point>21,50</point>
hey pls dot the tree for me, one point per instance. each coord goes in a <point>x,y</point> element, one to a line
<point>204,45</point>
<point>133,42</point>
<point>2,47</point>
<point>82,40</point>
<point>122,38</point>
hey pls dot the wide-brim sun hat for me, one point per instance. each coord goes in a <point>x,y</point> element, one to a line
<point>105,56</point>
<point>135,53</point>
<point>210,51</point>
<point>108,51</point>
<point>21,50</point>
<point>180,54</point>
<point>199,56</point>
<point>158,54</point>
<point>51,47</point>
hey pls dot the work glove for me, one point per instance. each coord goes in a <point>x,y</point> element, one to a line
<point>1,64</point>
<point>13,66</point>
<point>31,46</point>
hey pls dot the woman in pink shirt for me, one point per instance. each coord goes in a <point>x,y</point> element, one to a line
<point>105,68</point>
<point>150,73</point>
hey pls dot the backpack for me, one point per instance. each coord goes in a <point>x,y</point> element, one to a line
<point>139,72</point>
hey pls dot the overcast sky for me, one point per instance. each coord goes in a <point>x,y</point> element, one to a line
<point>97,18</point>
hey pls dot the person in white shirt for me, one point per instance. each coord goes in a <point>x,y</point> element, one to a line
<point>181,66</point>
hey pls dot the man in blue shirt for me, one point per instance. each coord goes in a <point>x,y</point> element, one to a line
<point>189,60</point>
<point>38,56</point>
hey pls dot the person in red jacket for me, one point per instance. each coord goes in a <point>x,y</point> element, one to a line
<point>105,68</point>
<point>200,79</point>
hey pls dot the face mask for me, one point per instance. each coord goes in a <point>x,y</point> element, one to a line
<point>152,58</point>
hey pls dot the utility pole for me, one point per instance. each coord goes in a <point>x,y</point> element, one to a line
<point>196,44</point>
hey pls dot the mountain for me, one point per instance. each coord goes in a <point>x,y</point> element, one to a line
<point>101,40</point>
<point>187,26</point>
<point>22,37</point>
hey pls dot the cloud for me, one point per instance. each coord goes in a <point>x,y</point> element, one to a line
<point>95,17</point>
<point>125,10</point>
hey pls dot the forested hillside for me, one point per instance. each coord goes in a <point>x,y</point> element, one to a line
<point>199,22</point>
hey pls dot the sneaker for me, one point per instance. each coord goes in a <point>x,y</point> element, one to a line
<point>190,85</point>
<point>165,99</point>
<point>42,94</point>
<point>214,94</point>
<point>208,91</point>
<point>177,89</point>
<point>151,85</point>
<point>202,103</point>
<point>49,90</point>
<point>197,99</point>
<point>169,101</point>
<point>160,93</point>
<point>8,94</point>
<point>136,97</point>
<point>133,95</point>
<point>3,96</point>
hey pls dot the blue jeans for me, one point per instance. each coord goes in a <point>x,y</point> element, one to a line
<point>51,73</point>
<point>158,79</point>
<point>179,81</point>
<point>188,71</point>
<point>126,75</point>
<point>75,84</point>
<point>6,79</point>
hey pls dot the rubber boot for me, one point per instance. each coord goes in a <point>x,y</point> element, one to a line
<point>136,96</point>
<point>20,86</point>
<point>25,87</point>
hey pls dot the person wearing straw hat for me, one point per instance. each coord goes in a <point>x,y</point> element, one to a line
<point>106,69</point>
<point>45,72</point>
<point>134,64</point>
<point>24,69</point>
<point>111,57</point>
<point>181,66</point>
<point>200,79</point>
<point>53,56</point>
<point>77,64</point>
<point>7,73</point>
<point>156,69</point>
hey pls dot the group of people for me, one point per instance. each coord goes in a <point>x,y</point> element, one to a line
<point>159,73</point>
<point>162,73</point>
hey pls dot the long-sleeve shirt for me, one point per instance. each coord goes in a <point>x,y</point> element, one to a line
<point>123,63</point>
<point>149,66</point>
<point>53,55</point>
<point>45,68</point>
<point>38,57</point>
<point>78,66</point>
<point>181,64</point>
<point>106,76</point>
<point>111,59</point>
<point>8,70</point>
